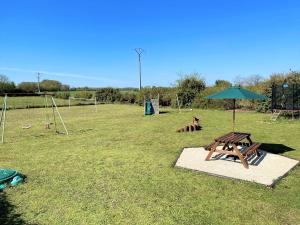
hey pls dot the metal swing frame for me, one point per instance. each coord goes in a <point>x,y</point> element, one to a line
<point>54,110</point>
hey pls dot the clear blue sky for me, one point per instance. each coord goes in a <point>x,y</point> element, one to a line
<point>90,43</point>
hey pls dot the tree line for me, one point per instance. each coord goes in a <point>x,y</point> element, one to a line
<point>191,89</point>
<point>188,91</point>
<point>7,86</point>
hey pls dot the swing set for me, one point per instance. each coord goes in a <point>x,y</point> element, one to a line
<point>49,104</point>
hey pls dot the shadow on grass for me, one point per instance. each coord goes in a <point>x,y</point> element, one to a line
<point>7,214</point>
<point>275,148</point>
<point>164,111</point>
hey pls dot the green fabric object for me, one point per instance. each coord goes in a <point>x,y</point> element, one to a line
<point>7,174</point>
<point>2,187</point>
<point>236,93</point>
<point>9,177</point>
<point>16,180</point>
<point>148,108</point>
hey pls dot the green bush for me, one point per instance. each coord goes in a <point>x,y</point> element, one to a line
<point>29,87</point>
<point>128,97</point>
<point>200,101</point>
<point>62,94</point>
<point>188,87</point>
<point>6,85</point>
<point>83,94</point>
<point>50,85</point>
<point>166,95</point>
<point>108,95</point>
<point>265,87</point>
<point>166,99</point>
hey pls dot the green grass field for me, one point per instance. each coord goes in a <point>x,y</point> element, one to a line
<point>116,167</point>
<point>39,102</point>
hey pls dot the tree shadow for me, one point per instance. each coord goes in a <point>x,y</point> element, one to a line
<point>7,214</point>
<point>275,148</point>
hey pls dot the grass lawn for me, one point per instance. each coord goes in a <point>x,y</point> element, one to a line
<point>116,167</point>
<point>38,102</point>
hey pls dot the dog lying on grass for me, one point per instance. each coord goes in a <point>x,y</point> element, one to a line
<point>191,127</point>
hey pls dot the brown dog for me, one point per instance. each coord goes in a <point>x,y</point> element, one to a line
<point>191,127</point>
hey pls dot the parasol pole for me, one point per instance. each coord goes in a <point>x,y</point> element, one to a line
<point>233,116</point>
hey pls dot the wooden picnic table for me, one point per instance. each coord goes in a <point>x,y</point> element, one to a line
<point>230,143</point>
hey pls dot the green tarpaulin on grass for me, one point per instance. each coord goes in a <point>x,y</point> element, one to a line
<point>7,174</point>
<point>9,177</point>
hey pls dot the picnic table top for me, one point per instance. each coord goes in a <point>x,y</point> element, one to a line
<point>232,137</point>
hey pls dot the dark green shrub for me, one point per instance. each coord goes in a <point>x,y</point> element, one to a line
<point>62,94</point>
<point>29,87</point>
<point>6,85</point>
<point>200,101</point>
<point>83,94</point>
<point>166,95</point>
<point>108,95</point>
<point>188,87</point>
<point>165,99</point>
<point>50,85</point>
<point>128,97</point>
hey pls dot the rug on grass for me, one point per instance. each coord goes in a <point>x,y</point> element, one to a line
<point>266,169</point>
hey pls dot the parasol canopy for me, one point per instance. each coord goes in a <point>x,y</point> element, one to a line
<point>235,93</point>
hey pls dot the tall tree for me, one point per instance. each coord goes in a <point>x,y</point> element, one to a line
<point>50,85</point>
<point>251,80</point>
<point>223,83</point>
<point>6,85</point>
<point>188,87</point>
<point>28,87</point>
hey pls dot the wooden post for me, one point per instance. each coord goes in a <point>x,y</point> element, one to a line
<point>69,102</point>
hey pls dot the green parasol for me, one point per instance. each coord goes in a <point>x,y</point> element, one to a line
<point>235,93</point>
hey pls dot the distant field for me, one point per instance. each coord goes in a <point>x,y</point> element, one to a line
<point>116,167</point>
<point>38,102</point>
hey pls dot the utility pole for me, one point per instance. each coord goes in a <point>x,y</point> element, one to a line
<point>139,52</point>
<point>38,81</point>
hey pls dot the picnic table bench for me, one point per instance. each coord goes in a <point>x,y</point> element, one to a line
<point>230,143</point>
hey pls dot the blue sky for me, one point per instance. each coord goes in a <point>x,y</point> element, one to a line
<point>90,43</point>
